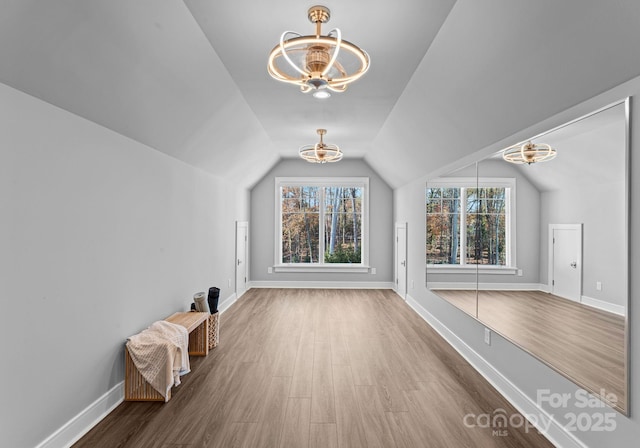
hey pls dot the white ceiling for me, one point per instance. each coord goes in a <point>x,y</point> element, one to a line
<point>189,78</point>
<point>591,151</point>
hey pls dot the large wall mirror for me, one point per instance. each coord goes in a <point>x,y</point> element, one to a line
<point>538,252</point>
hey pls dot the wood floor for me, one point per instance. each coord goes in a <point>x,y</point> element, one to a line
<point>582,342</point>
<point>320,368</point>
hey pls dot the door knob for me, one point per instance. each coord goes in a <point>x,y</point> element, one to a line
<point>404,263</point>
<point>574,265</point>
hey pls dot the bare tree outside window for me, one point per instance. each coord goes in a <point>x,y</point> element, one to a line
<point>343,212</point>
<point>300,224</point>
<point>474,215</point>
<point>316,219</point>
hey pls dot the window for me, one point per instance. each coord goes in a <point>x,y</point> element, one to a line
<point>321,223</point>
<point>470,222</point>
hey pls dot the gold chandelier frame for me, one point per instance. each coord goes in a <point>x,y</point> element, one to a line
<point>321,152</point>
<point>529,153</point>
<point>321,69</point>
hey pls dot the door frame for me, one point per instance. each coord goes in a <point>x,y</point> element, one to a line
<point>578,228</point>
<point>239,289</point>
<point>403,226</point>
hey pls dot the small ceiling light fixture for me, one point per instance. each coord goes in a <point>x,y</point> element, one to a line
<point>321,94</point>
<point>321,152</point>
<point>529,153</point>
<point>317,63</point>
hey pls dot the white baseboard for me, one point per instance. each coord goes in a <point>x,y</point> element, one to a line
<point>451,285</point>
<point>602,305</point>
<point>395,289</point>
<point>226,303</point>
<point>552,430</point>
<point>322,284</point>
<point>585,300</point>
<point>489,286</point>
<point>79,425</point>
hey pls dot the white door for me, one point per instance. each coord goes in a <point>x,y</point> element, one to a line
<point>242,255</point>
<point>401,259</point>
<point>566,260</point>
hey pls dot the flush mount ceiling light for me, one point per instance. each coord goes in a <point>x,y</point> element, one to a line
<point>529,153</point>
<point>318,63</point>
<point>321,152</point>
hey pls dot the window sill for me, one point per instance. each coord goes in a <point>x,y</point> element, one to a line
<point>469,269</point>
<point>333,267</point>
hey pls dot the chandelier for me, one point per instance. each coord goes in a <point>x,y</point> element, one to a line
<point>529,153</point>
<point>317,63</point>
<point>321,152</point>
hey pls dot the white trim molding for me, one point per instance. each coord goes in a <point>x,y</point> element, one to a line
<point>233,298</point>
<point>604,306</point>
<point>471,269</point>
<point>322,182</point>
<point>400,261</point>
<point>321,285</point>
<point>327,267</point>
<point>489,286</point>
<point>78,426</point>
<point>463,184</point>
<point>550,428</point>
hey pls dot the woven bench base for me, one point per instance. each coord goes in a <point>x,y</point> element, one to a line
<point>214,330</point>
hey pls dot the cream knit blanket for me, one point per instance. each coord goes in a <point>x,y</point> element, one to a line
<point>160,353</point>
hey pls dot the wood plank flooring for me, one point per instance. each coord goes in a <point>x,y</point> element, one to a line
<point>319,368</point>
<point>582,342</point>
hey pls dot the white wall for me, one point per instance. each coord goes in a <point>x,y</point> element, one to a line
<point>520,369</point>
<point>99,237</point>
<point>262,227</point>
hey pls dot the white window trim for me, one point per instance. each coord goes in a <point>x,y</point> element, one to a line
<point>463,269</point>
<point>510,222</point>
<point>321,266</point>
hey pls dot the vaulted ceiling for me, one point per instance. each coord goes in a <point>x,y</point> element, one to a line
<point>189,78</point>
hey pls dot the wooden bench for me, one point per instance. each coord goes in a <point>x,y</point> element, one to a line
<point>136,387</point>
<point>197,324</point>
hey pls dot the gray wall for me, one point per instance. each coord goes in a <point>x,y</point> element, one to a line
<point>519,368</point>
<point>100,236</point>
<point>262,228</point>
<point>601,210</point>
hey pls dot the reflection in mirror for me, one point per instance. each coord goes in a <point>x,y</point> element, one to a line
<point>451,255</point>
<point>552,251</point>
